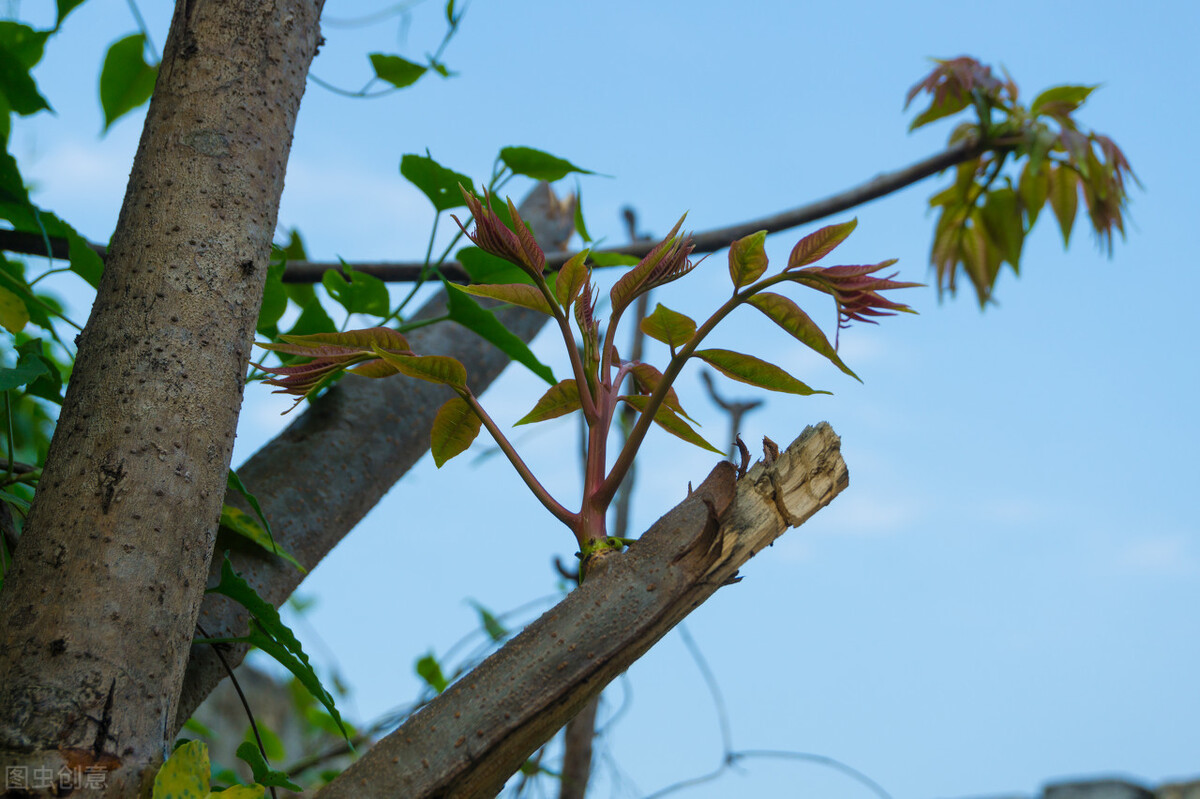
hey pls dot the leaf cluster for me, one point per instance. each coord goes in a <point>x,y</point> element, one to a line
<point>600,376</point>
<point>987,211</point>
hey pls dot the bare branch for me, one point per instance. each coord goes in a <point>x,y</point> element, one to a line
<point>469,740</point>
<point>706,241</point>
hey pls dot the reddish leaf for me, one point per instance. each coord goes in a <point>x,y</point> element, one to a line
<point>747,259</point>
<point>791,318</point>
<point>816,246</point>
<point>667,420</point>
<point>666,262</point>
<point>756,372</point>
<point>671,328</point>
<point>454,428</point>
<point>560,400</point>
<point>434,368</point>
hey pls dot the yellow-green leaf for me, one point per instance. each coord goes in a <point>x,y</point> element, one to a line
<point>520,294</point>
<point>185,774</point>
<point>795,321</point>
<point>1001,217</point>
<point>13,313</point>
<point>239,792</point>
<point>756,372</point>
<point>669,421</point>
<point>454,428</point>
<point>671,328</point>
<point>434,368</point>
<point>1033,189</point>
<point>1064,198</point>
<point>365,339</point>
<point>571,278</point>
<point>816,246</point>
<point>561,399</point>
<point>747,259</point>
<point>245,525</point>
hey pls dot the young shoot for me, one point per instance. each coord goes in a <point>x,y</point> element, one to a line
<point>598,373</point>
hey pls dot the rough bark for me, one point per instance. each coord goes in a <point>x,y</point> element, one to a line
<point>469,740</point>
<point>98,611</point>
<point>368,433</point>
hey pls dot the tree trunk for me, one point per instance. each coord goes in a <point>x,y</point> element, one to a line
<point>98,611</point>
<point>472,738</point>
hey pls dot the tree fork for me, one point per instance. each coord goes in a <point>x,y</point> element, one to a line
<point>97,613</point>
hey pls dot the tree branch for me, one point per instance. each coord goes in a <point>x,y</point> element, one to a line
<point>705,241</point>
<point>469,740</point>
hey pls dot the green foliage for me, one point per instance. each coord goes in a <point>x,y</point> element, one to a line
<point>599,373</point>
<point>126,80</point>
<point>539,165</point>
<point>263,773</point>
<point>442,186</point>
<point>985,215</point>
<point>271,635</point>
<point>430,670</point>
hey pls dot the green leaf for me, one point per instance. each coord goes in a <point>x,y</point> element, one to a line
<point>520,294</point>
<point>816,246</point>
<point>747,259</point>
<point>944,104</point>
<point>17,87</point>
<point>539,165</point>
<point>356,291</point>
<point>234,483</point>
<point>1033,189</point>
<point>49,384</point>
<point>561,399</point>
<point>439,184</point>
<point>785,313</point>
<point>264,774</point>
<point>271,635</point>
<point>275,300</point>
<point>671,328</point>
<point>487,268</point>
<point>454,429</point>
<point>491,625</point>
<point>434,368</point>
<point>429,670</point>
<point>1001,216</point>
<point>1064,198</point>
<point>468,313</point>
<point>126,80</point>
<point>238,521</point>
<point>1061,100</point>
<point>756,372</point>
<point>312,319</point>
<point>580,227</point>
<point>669,421</point>
<point>571,277</point>
<point>400,72</point>
<point>13,313</point>
<point>84,261</point>
<point>185,774</point>
<point>65,7</point>
<point>27,369</point>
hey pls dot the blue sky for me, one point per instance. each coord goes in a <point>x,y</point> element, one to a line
<point>1006,593</point>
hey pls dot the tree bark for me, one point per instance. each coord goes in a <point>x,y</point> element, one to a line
<point>473,737</point>
<point>98,611</point>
